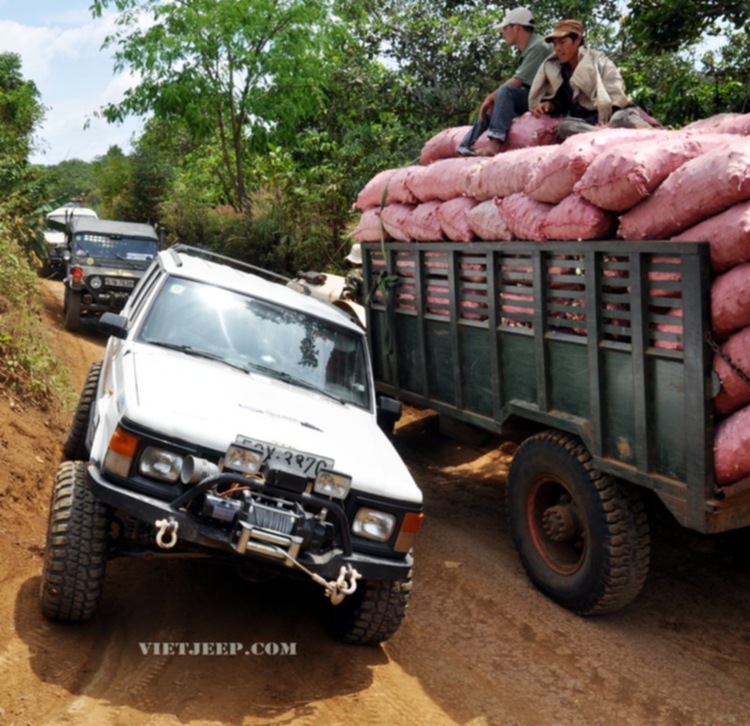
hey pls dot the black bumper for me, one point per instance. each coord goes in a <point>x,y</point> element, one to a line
<point>150,509</point>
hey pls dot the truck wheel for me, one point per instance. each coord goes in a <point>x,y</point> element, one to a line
<point>74,448</point>
<point>75,556</point>
<point>582,537</point>
<point>372,614</point>
<point>72,310</point>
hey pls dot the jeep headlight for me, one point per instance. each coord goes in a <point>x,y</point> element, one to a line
<point>158,463</point>
<point>95,282</point>
<point>332,484</point>
<point>373,524</point>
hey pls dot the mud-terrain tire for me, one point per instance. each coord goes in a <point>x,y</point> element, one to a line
<point>75,556</point>
<point>582,536</point>
<point>72,310</point>
<point>74,448</point>
<point>372,614</point>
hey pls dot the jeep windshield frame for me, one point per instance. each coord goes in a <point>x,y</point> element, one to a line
<point>260,337</point>
<point>116,248</point>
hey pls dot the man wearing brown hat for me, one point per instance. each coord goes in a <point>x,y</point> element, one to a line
<point>510,100</point>
<point>581,84</point>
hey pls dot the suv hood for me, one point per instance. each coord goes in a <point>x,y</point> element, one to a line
<point>229,403</point>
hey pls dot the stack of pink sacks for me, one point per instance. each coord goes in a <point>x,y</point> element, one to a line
<point>691,184</point>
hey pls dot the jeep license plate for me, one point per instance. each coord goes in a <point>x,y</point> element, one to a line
<point>307,464</point>
<point>119,282</point>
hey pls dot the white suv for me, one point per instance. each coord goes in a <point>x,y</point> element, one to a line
<point>235,416</point>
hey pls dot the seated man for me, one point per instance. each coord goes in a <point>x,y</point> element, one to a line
<point>510,100</point>
<point>582,85</point>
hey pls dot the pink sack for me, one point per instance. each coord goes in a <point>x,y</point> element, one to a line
<point>575,218</point>
<point>453,219</point>
<point>732,448</point>
<point>387,187</point>
<point>622,176</point>
<point>368,228</point>
<point>443,145</point>
<point>395,218</point>
<point>528,130</point>
<point>669,335</point>
<point>507,173</point>
<point>444,179</point>
<point>723,123</point>
<point>728,233</point>
<point>487,223</point>
<point>735,393</point>
<point>423,225</point>
<point>730,301</point>
<point>524,216</point>
<point>555,177</point>
<point>700,188</point>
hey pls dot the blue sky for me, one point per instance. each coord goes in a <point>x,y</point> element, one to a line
<point>60,47</point>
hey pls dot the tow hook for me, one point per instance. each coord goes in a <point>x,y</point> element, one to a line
<point>166,537</point>
<point>335,590</point>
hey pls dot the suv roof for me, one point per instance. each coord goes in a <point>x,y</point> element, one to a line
<point>107,226</point>
<point>197,264</point>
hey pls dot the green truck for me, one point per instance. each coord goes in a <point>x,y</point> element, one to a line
<point>600,353</point>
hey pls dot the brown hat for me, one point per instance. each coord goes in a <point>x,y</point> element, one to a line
<point>565,27</point>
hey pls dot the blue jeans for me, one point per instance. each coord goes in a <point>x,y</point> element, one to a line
<point>510,103</point>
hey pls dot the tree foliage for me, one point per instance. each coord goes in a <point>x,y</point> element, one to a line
<point>234,70</point>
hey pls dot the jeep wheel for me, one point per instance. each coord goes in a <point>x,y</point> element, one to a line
<point>74,448</point>
<point>372,614</point>
<point>72,310</point>
<point>75,556</point>
<point>582,536</point>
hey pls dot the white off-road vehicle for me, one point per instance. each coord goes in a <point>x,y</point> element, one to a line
<point>235,417</point>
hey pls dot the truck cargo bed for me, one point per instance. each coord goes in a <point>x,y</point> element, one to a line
<point>605,340</point>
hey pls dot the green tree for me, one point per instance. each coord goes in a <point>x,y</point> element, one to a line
<point>231,70</point>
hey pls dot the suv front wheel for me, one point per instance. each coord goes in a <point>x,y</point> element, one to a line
<point>75,557</point>
<point>372,614</point>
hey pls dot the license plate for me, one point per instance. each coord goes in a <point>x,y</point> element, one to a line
<point>119,282</point>
<point>307,464</point>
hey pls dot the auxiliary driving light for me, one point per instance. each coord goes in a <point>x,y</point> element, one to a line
<point>332,484</point>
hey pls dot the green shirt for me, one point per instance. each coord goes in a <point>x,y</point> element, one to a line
<point>533,54</point>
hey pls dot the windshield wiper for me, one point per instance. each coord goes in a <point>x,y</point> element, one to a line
<point>294,381</point>
<point>199,353</point>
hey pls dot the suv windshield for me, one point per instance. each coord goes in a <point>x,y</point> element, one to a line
<point>116,248</point>
<point>261,337</point>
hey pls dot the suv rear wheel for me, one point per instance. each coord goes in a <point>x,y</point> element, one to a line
<point>75,557</point>
<point>75,447</point>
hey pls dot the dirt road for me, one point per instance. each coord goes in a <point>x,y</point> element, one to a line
<point>479,644</point>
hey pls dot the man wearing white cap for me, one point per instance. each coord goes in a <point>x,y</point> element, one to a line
<point>510,100</point>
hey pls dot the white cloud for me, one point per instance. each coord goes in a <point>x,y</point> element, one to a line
<point>75,78</point>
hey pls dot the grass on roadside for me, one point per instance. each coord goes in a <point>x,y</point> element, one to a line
<point>29,370</point>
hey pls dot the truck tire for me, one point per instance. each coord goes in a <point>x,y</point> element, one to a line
<point>372,614</point>
<point>75,556</point>
<point>72,310</point>
<point>74,448</point>
<point>582,536</point>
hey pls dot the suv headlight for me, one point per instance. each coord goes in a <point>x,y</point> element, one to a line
<point>159,463</point>
<point>95,282</point>
<point>373,524</point>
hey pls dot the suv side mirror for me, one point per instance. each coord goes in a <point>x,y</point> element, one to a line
<point>389,411</point>
<point>115,325</point>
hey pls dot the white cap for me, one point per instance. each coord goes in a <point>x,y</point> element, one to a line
<point>517,16</point>
<point>355,254</point>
